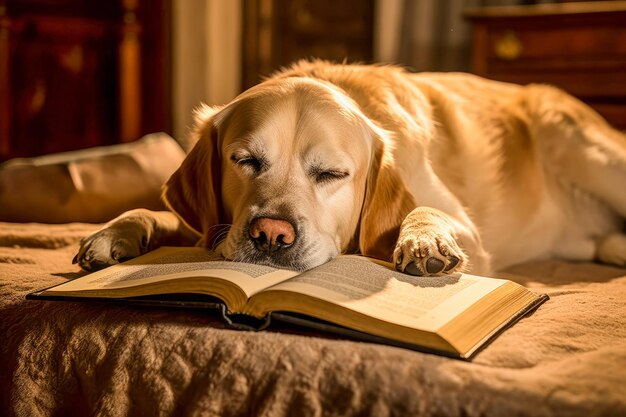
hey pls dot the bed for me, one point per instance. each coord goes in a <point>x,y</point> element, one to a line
<point>69,358</point>
<point>97,358</point>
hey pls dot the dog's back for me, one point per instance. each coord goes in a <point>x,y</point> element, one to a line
<point>447,172</point>
<point>501,149</point>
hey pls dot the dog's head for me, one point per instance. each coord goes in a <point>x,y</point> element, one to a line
<point>297,170</point>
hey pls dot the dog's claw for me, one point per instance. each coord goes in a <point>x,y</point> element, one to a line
<point>428,252</point>
<point>111,245</point>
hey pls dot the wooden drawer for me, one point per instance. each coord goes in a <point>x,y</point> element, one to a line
<point>565,48</point>
<point>579,47</point>
<point>79,73</point>
<point>589,84</point>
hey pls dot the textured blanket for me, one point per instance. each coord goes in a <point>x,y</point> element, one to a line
<point>66,358</point>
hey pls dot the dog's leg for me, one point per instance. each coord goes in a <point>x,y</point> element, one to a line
<point>132,234</point>
<point>612,249</point>
<point>578,147</point>
<point>432,243</point>
<point>581,151</point>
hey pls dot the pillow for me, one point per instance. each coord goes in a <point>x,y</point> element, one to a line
<point>91,185</point>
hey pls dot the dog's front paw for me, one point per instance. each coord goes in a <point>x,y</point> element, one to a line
<point>428,252</point>
<point>115,243</point>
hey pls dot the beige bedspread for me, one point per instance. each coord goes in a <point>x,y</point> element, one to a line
<point>62,359</point>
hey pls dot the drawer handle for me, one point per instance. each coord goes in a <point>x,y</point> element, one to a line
<point>508,47</point>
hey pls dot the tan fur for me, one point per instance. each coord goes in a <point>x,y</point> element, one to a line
<point>193,192</point>
<point>442,171</point>
<point>386,204</point>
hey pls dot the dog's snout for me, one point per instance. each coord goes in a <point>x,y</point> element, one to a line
<point>270,235</point>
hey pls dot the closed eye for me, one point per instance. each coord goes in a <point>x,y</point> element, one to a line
<point>249,162</point>
<point>327,176</point>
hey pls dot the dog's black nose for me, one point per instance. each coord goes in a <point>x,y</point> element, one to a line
<point>271,235</point>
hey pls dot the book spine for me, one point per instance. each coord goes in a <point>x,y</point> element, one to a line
<point>240,321</point>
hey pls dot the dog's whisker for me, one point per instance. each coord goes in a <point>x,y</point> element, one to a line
<point>218,237</point>
<point>218,240</point>
<point>217,233</point>
<point>220,225</point>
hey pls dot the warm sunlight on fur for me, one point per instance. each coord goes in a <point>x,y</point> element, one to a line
<point>437,172</point>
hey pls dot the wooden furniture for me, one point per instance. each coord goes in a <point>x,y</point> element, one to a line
<point>279,32</point>
<point>80,73</point>
<point>580,47</point>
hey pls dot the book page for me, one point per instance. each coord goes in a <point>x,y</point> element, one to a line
<point>170,263</point>
<point>368,287</point>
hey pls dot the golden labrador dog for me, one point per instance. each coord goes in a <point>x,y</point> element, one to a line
<point>435,172</point>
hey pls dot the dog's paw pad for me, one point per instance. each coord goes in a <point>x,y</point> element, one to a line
<point>413,269</point>
<point>453,261</point>
<point>434,265</point>
<point>428,253</point>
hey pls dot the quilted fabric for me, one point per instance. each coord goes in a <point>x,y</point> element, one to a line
<point>62,358</point>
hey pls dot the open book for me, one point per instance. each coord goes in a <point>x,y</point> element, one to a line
<point>453,315</point>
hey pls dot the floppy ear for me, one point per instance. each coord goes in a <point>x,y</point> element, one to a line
<point>193,192</point>
<point>387,203</point>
